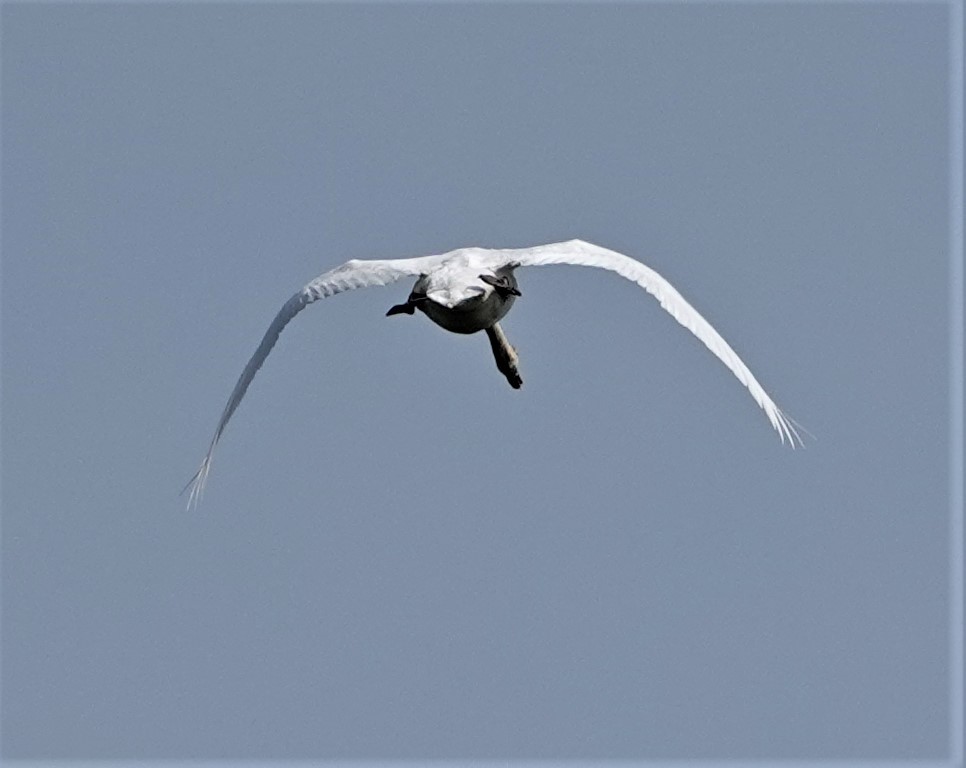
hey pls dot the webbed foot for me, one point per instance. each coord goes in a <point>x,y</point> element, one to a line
<point>402,309</point>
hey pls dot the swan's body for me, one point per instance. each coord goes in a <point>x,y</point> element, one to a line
<point>470,290</point>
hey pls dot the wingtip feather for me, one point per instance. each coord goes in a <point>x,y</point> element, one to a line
<point>196,485</point>
<point>788,429</point>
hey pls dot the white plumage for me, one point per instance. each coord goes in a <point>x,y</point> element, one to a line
<point>470,290</point>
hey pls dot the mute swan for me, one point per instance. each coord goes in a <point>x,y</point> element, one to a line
<point>472,289</point>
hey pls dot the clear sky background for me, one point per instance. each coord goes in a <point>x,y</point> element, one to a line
<point>398,556</point>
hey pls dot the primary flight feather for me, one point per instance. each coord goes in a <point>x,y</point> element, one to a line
<point>472,289</point>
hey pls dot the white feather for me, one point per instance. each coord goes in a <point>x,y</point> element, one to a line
<point>453,279</point>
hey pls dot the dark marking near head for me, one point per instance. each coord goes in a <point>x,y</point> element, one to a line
<point>504,284</point>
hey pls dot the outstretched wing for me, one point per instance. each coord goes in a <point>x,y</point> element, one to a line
<point>351,275</point>
<point>589,255</point>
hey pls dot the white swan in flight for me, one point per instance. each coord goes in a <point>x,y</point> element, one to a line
<point>472,289</point>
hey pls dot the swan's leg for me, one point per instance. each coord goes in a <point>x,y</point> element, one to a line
<point>402,309</point>
<point>505,355</point>
<point>409,307</point>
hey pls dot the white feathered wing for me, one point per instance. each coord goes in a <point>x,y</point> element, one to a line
<point>351,275</point>
<point>580,253</point>
<point>362,274</point>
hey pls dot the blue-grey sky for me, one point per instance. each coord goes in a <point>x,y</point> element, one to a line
<point>398,556</point>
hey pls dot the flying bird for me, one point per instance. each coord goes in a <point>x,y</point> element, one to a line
<point>472,289</point>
